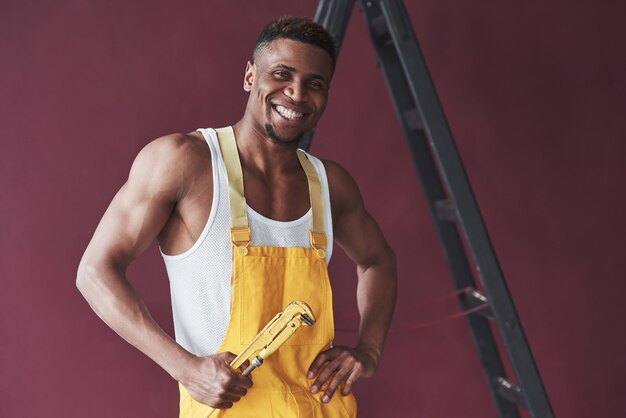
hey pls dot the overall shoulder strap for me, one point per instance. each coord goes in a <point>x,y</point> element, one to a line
<point>239,227</point>
<point>317,233</point>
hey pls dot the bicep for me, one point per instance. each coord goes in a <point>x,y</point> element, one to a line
<point>137,213</point>
<point>129,225</point>
<point>360,237</point>
<point>355,230</point>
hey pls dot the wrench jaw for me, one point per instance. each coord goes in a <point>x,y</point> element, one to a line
<point>302,308</point>
<point>307,320</point>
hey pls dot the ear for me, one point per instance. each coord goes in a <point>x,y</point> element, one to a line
<point>248,79</point>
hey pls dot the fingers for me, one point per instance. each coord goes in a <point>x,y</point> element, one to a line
<point>235,379</point>
<point>223,405</point>
<point>233,392</point>
<point>336,367</point>
<point>234,383</point>
<point>226,356</point>
<point>324,375</point>
<point>319,361</point>
<point>244,366</point>
<point>231,387</point>
<point>215,384</point>
<point>228,398</point>
<point>339,377</point>
<point>240,380</point>
<point>347,388</point>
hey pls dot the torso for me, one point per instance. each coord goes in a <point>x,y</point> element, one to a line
<point>283,198</point>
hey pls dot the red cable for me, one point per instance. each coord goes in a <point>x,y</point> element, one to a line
<point>439,321</point>
<point>413,307</point>
<point>421,325</point>
<point>409,308</point>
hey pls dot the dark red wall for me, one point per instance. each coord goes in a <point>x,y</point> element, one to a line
<point>535,95</point>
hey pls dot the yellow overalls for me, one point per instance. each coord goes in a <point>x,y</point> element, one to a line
<point>264,281</point>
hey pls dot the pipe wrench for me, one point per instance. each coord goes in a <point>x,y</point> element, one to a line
<point>272,336</point>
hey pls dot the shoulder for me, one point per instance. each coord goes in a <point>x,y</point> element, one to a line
<point>171,162</point>
<point>175,149</point>
<point>345,195</point>
<point>337,174</point>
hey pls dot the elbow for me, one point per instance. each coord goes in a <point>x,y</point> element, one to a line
<point>87,276</point>
<point>392,270</point>
<point>96,274</point>
<point>84,275</point>
<point>391,257</point>
<point>389,260</point>
<point>383,261</point>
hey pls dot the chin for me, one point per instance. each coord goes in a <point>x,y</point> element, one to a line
<point>277,139</point>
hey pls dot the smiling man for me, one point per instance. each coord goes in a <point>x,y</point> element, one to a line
<point>246,224</point>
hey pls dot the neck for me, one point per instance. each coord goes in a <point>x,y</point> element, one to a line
<point>258,152</point>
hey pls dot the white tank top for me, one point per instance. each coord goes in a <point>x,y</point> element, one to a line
<point>200,277</point>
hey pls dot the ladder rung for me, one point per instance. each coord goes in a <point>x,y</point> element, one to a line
<point>379,26</point>
<point>510,391</point>
<point>413,120</point>
<point>475,298</point>
<point>446,211</point>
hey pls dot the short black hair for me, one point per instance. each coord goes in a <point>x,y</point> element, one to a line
<point>300,29</point>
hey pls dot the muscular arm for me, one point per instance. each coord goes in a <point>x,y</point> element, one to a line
<point>159,179</point>
<point>358,234</point>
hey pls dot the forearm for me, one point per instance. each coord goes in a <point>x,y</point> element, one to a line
<point>376,298</point>
<point>115,301</point>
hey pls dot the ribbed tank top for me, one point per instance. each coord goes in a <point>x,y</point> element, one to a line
<point>200,278</point>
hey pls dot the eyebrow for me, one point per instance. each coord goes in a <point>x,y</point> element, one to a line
<point>293,70</point>
<point>286,67</point>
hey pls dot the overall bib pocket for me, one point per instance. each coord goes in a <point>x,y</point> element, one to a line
<point>277,281</point>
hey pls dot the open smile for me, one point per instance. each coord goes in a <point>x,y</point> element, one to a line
<point>287,113</point>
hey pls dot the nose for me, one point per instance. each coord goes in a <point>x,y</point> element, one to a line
<point>296,92</point>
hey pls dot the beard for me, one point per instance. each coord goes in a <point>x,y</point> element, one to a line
<point>276,139</point>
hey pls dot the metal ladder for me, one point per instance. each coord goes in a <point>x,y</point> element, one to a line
<point>452,206</point>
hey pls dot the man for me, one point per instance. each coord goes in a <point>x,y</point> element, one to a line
<point>226,285</point>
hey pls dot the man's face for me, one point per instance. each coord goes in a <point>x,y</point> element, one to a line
<point>288,87</point>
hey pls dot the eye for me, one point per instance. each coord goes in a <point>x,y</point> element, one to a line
<point>316,85</point>
<point>281,75</point>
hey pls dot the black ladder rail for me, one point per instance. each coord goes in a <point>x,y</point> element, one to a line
<point>408,59</point>
<point>334,16</point>
<point>450,200</point>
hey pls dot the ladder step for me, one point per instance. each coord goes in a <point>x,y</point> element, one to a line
<point>413,119</point>
<point>474,298</point>
<point>510,391</point>
<point>379,27</point>
<point>446,211</point>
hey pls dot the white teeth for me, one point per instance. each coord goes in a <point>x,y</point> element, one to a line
<point>288,113</point>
